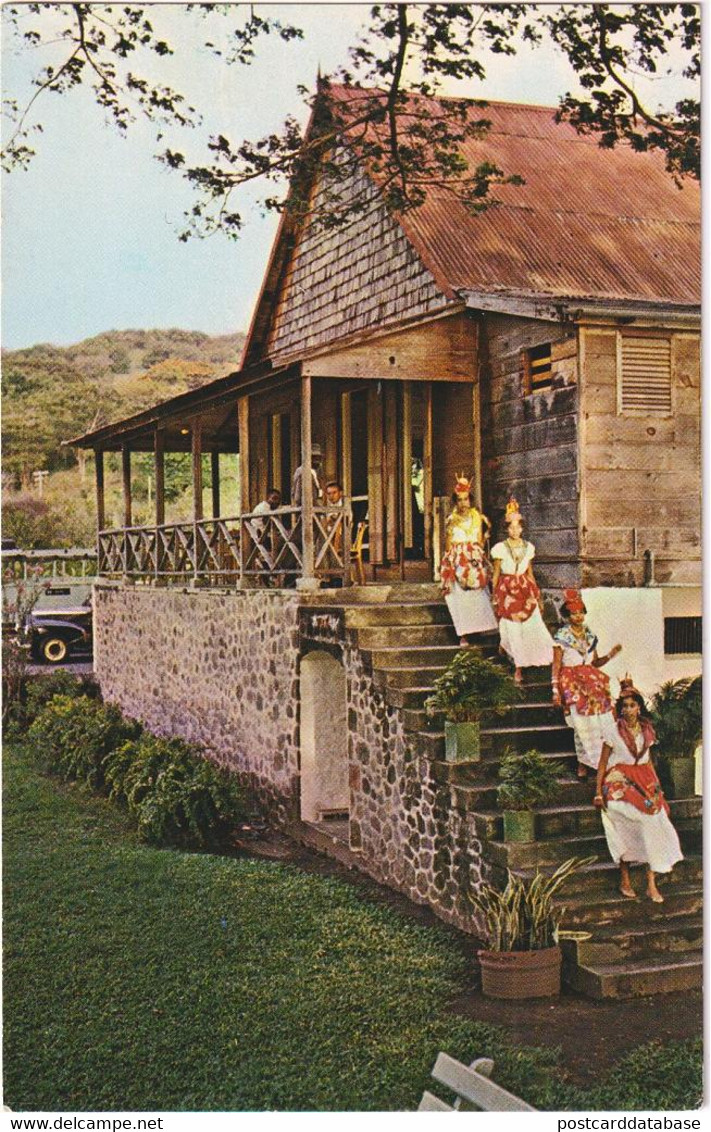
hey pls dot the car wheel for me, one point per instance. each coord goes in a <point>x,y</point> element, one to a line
<point>54,650</point>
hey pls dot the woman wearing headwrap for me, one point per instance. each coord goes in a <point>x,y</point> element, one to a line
<point>517,598</point>
<point>635,813</point>
<point>579,685</point>
<point>464,571</point>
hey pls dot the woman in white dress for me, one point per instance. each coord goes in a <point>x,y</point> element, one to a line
<point>517,598</point>
<point>580,686</point>
<point>464,571</point>
<point>635,813</point>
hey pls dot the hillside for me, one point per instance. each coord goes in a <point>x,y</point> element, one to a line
<point>51,393</point>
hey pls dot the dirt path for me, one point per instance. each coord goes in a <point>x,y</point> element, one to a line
<point>592,1035</point>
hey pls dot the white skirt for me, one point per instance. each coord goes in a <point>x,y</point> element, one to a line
<point>638,838</point>
<point>591,731</point>
<point>528,643</point>
<point>470,610</point>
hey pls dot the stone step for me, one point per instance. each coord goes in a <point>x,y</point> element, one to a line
<point>427,657</point>
<point>672,936</point>
<point>576,820</point>
<point>544,738</point>
<point>535,714</point>
<point>406,636</point>
<point>603,877</point>
<point>543,853</point>
<point>632,978</point>
<point>593,912</point>
<point>535,696</point>
<point>377,593</point>
<point>415,614</point>
<point>407,676</point>
<point>478,798</point>
<point>431,744</point>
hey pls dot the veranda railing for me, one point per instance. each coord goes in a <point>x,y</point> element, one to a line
<point>265,547</point>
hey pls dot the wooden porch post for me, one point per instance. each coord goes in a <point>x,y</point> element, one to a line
<point>100,505</point>
<point>427,472</point>
<point>215,478</point>
<point>197,470</point>
<point>307,581</point>
<point>243,427</point>
<point>159,468</point>
<point>100,499</point>
<point>126,469</point>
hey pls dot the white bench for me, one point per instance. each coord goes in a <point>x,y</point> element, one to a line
<point>475,1092</point>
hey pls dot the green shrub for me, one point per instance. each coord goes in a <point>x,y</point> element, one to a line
<point>677,716</point>
<point>174,793</point>
<point>470,685</point>
<point>41,689</point>
<point>72,736</point>
<point>526,781</point>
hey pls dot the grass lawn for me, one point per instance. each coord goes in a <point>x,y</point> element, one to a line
<point>138,978</point>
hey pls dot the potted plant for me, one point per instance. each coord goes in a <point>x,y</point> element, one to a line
<point>677,717</point>
<point>522,956</point>
<point>470,685</point>
<point>525,781</point>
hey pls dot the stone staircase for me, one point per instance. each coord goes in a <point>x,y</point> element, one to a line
<point>620,947</point>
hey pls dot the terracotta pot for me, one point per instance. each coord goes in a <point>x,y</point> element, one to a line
<point>519,825</point>
<point>461,742</point>
<point>520,974</point>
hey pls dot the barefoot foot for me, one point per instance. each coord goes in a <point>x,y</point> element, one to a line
<point>626,890</point>
<point>655,895</point>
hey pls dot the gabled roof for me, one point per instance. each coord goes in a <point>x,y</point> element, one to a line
<point>589,222</point>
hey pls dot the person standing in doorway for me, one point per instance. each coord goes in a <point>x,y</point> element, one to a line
<point>296,483</point>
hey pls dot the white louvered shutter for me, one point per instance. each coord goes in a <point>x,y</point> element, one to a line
<point>645,375</point>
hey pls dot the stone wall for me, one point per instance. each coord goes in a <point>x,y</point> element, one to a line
<point>403,822</point>
<point>223,670</point>
<point>219,669</point>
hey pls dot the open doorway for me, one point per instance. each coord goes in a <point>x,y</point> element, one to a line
<point>325,793</point>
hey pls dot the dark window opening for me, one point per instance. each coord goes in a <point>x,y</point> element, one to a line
<point>682,635</point>
<point>537,369</point>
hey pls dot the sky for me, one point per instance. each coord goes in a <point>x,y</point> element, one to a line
<point>90,230</point>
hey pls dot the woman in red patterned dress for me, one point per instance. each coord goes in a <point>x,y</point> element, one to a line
<point>635,813</point>
<point>517,598</point>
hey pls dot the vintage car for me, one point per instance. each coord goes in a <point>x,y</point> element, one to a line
<point>57,635</point>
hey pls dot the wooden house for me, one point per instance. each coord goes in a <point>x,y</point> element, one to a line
<point>548,347</point>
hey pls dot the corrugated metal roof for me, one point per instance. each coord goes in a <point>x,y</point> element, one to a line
<point>589,222</point>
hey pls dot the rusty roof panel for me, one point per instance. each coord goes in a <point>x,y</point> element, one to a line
<point>588,222</point>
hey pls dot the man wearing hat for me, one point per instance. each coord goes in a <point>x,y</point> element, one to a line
<point>316,457</point>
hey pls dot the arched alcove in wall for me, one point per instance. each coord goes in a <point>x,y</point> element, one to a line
<point>324,737</point>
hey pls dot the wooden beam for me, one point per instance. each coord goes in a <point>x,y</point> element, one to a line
<point>427,460</point>
<point>197,470</point>
<point>243,427</point>
<point>307,499</point>
<point>100,498</point>
<point>391,470</point>
<point>406,433</point>
<point>159,468</point>
<point>375,473</point>
<point>215,479</point>
<point>346,444</point>
<point>126,470</point>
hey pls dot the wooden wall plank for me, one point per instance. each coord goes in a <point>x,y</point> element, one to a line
<point>442,350</point>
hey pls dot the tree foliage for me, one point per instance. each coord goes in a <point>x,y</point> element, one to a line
<point>410,145</point>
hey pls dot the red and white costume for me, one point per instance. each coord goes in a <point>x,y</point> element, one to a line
<point>524,636</point>
<point>636,820</point>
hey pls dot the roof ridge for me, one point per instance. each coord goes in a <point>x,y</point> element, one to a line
<point>448,97</point>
